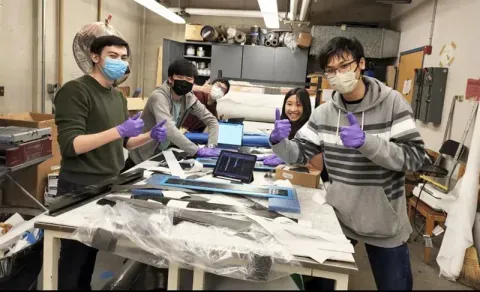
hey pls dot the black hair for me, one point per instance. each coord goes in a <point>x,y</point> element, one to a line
<point>182,67</point>
<point>339,47</point>
<point>304,98</point>
<point>100,43</point>
<point>224,81</point>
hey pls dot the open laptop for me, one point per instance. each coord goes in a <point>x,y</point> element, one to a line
<point>230,136</point>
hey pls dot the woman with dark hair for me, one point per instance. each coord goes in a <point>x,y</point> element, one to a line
<point>297,108</point>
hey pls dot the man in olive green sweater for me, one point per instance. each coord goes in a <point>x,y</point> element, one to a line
<point>93,128</point>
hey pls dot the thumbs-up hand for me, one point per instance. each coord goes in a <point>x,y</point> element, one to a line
<point>281,129</point>
<point>159,132</point>
<point>131,127</point>
<point>352,136</point>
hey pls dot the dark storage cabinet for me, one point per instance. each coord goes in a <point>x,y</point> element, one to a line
<point>246,62</point>
<point>228,59</point>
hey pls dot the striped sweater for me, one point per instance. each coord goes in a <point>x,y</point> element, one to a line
<point>368,183</point>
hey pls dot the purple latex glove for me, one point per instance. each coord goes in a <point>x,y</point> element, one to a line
<point>208,152</point>
<point>159,132</point>
<point>352,136</point>
<point>131,127</point>
<point>281,129</point>
<point>273,160</point>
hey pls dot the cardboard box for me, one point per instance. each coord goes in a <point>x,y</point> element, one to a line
<point>310,180</point>
<point>304,40</point>
<point>192,32</point>
<point>34,178</point>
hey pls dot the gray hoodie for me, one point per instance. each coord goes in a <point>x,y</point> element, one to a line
<point>160,107</point>
<point>368,183</point>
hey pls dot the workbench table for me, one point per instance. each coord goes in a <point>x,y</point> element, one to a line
<point>63,226</point>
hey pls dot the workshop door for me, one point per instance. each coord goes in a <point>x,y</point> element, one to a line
<point>409,61</point>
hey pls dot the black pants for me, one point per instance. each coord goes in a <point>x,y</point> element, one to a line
<point>128,164</point>
<point>77,261</point>
<point>390,266</point>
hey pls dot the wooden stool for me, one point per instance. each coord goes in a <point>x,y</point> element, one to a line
<point>431,216</point>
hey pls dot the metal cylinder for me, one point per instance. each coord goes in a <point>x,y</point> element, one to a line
<point>240,37</point>
<point>209,33</point>
<point>263,34</point>
<point>273,39</point>
<point>255,34</point>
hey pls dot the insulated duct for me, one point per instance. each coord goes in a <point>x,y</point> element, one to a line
<point>240,37</point>
<point>272,39</point>
<point>209,33</point>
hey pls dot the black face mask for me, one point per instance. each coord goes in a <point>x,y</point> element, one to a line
<point>182,87</point>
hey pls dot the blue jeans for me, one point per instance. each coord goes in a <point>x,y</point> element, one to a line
<point>390,266</point>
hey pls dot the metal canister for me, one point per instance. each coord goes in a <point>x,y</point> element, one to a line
<point>191,50</point>
<point>200,52</point>
<point>263,34</point>
<point>254,34</point>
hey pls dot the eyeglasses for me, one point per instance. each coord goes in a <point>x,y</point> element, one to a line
<point>331,72</point>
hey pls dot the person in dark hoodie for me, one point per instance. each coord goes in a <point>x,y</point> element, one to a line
<point>297,108</point>
<point>369,140</point>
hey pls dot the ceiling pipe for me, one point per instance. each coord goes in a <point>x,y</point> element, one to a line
<point>293,10</point>
<point>303,10</point>
<point>224,12</point>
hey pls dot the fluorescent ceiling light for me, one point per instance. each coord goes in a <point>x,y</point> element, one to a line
<point>269,10</point>
<point>161,10</point>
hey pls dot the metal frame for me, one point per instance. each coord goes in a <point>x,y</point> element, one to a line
<point>51,253</point>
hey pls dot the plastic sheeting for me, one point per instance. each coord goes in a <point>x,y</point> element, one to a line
<point>242,254</point>
<point>458,236</point>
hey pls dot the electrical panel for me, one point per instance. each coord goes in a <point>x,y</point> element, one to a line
<point>428,96</point>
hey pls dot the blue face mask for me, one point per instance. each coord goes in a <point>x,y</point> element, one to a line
<point>114,68</point>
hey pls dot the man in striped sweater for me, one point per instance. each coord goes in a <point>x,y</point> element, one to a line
<point>369,141</point>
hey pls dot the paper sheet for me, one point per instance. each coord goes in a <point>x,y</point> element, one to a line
<point>175,194</point>
<point>177,204</point>
<point>173,165</point>
<point>407,86</point>
<point>14,220</point>
<point>319,198</point>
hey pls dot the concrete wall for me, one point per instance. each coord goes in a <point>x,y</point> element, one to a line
<point>20,49</point>
<point>455,21</point>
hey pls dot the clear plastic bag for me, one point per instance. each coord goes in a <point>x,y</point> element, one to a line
<point>154,239</point>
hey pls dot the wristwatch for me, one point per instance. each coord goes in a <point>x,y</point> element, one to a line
<point>211,146</point>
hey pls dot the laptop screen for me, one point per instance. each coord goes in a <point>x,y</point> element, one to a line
<point>230,134</point>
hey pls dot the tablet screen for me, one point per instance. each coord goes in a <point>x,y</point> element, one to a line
<point>235,165</point>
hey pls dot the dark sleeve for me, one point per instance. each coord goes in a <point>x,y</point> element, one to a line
<point>127,115</point>
<point>71,113</point>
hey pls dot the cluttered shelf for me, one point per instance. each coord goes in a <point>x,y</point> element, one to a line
<point>197,57</point>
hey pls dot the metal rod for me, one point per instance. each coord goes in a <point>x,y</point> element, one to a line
<point>44,32</point>
<point>24,190</point>
<point>60,43</point>
<point>144,45</point>
<point>435,3</point>
<point>99,10</point>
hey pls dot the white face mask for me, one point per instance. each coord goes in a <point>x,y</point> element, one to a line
<point>344,82</point>
<point>216,93</point>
